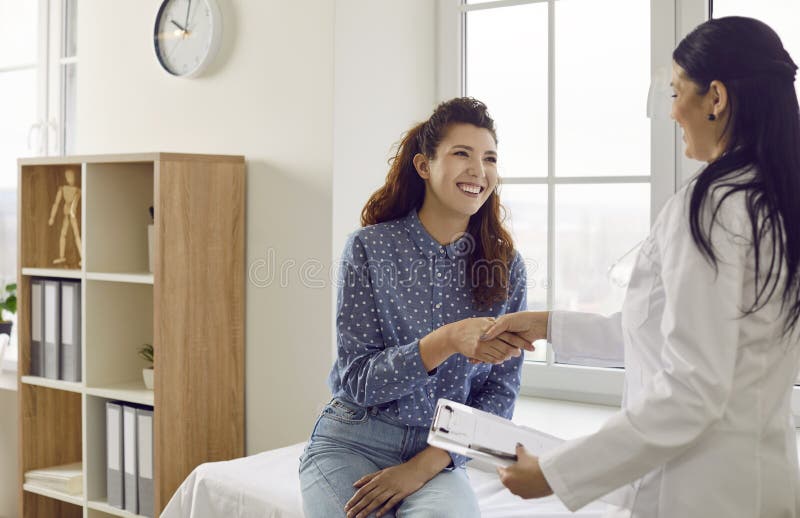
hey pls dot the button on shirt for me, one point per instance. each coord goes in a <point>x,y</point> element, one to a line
<point>397,284</point>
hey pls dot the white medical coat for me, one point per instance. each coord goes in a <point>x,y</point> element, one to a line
<point>705,428</point>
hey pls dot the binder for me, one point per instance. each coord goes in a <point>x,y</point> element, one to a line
<point>70,331</point>
<point>37,328</point>
<point>130,460</point>
<point>115,483</point>
<point>144,442</point>
<point>484,436</point>
<point>52,329</point>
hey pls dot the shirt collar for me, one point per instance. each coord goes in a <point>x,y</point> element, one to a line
<point>427,244</point>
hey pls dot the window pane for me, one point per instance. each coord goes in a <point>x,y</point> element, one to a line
<point>18,32</point>
<point>69,46</point>
<point>507,69</point>
<point>68,103</point>
<point>602,75</point>
<point>781,15</point>
<point>527,220</point>
<point>596,225</point>
<point>18,106</point>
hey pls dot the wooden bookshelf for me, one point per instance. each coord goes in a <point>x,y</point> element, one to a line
<point>191,308</point>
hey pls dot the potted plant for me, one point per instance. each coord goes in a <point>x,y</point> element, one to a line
<point>8,304</point>
<point>146,352</point>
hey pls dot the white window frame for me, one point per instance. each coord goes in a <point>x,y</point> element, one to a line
<point>55,82</point>
<point>46,135</point>
<point>47,132</point>
<point>670,21</point>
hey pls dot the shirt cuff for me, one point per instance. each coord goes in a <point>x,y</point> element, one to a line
<point>547,464</point>
<point>456,461</point>
<point>411,363</point>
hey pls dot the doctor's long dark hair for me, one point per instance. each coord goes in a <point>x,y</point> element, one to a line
<point>763,134</point>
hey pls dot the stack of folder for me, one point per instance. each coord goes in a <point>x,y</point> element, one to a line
<point>56,329</point>
<point>129,457</point>
<point>67,478</point>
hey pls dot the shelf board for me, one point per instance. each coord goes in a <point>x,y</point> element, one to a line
<point>136,278</point>
<point>50,493</point>
<point>102,505</point>
<point>53,272</point>
<point>70,386</point>
<point>130,392</point>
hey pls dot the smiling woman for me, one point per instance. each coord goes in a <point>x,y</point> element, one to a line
<point>419,284</point>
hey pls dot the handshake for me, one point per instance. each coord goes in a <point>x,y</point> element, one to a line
<point>486,339</point>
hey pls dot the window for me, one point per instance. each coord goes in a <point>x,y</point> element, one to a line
<point>37,100</point>
<point>19,73</point>
<point>64,72</point>
<point>567,82</point>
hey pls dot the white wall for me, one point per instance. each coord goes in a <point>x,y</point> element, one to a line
<point>313,93</point>
<point>268,97</point>
<point>384,83</point>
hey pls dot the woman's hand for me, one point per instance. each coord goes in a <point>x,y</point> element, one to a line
<point>525,478</point>
<point>384,489</point>
<point>464,337</point>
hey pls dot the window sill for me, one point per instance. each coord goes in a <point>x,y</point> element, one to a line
<point>593,385</point>
<point>570,419</point>
<point>562,418</point>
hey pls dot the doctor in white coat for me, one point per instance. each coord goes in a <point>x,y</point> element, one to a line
<point>708,331</point>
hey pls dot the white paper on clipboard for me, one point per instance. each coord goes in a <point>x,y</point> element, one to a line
<point>490,439</point>
<point>483,436</point>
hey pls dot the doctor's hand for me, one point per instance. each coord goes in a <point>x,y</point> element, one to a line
<point>525,478</point>
<point>528,325</point>
<point>465,335</point>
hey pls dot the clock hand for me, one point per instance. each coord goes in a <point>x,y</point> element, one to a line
<point>188,6</point>
<point>177,25</point>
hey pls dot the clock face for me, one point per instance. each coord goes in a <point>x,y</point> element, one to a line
<point>187,35</point>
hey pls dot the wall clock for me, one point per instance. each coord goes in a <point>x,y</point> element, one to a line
<point>187,35</point>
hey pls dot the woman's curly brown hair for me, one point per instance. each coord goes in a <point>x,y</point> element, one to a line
<point>405,190</point>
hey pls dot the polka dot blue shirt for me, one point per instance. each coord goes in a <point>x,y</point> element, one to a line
<point>396,285</point>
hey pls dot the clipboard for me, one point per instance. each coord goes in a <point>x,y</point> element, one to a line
<point>483,436</point>
<point>492,440</point>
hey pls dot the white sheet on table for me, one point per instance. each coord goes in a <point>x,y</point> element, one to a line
<point>266,485</point>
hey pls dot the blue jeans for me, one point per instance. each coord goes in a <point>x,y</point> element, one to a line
<point>349,442</point>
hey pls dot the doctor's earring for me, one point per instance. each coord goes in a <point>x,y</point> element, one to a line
<point>712,117</point>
